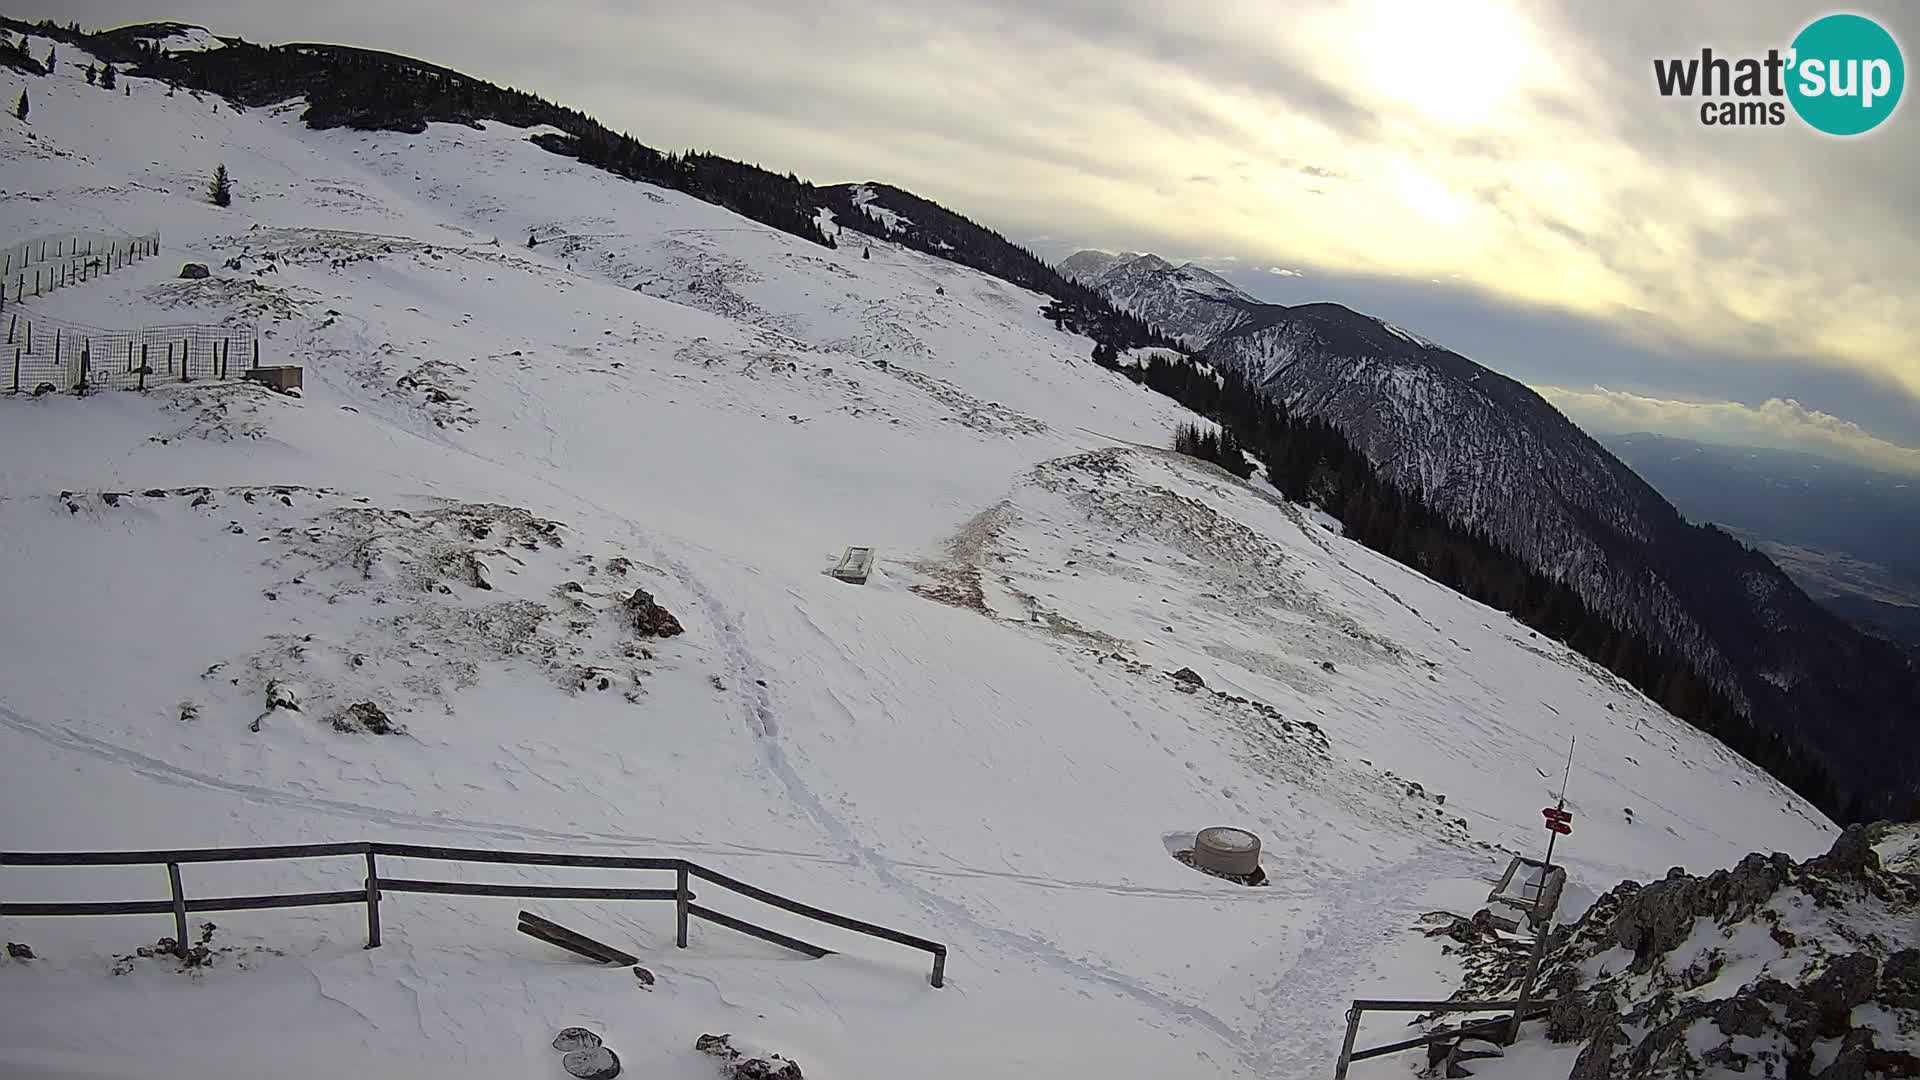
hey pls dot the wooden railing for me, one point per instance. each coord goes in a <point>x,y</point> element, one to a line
<point>179,903</point>
<point>1499,1029</point>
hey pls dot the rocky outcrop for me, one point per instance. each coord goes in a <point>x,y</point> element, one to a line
<point>647,617</point>
<point>740,1066</point>
<point>1826,948</point>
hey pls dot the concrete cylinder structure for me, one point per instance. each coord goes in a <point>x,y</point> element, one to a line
<point>1226,850</point>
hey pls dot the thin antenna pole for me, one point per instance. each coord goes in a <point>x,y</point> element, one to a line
<point>1568,775</point>
<point>1560,804</point>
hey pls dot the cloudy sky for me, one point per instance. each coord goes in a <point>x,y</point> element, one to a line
<point>1501,176</point>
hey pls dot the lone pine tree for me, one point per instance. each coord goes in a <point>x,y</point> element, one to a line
<point>220,188</point>
<point>20,107</point>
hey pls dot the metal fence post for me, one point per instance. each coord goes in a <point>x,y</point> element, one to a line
<point>16,369</point>
<point>256,354</point>
<point>143,367</point>
<point>939,977</point>
<point>680,900</point>
<point>179,910</point>
<point>373,902</point>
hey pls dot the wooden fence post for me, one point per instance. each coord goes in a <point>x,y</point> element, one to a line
<point>143,366</point>
<point>256,353</point>
<point>1346,1049</point>
<point>680,901</point>
<point>12,325</point>
<point>16,369</point>
<point>939,977</point>
<point>373,902</point>
<point>179,910</point>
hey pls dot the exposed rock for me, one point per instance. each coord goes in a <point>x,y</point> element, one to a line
<point>195,271</point>
<point>44,389</point>
<point>1580,1015</point>
<point>597,1063</point>
<point>643,976</point>
<point>282,695</point>
<point>1848,981</point>
<point>365,716</point>
<point>1189,677</point>
<point>768,1068</point>
<point>720,1046</point>
<point>1900,980</point>
<point>575,1038</point>
<point>647,617</point>
<point>19,950</point>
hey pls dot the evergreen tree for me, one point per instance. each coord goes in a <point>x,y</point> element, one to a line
<point>50,58</point>
<point>93,75</point>
<point>20,107</point>
<point>220,189</point>
<point>107,77</point>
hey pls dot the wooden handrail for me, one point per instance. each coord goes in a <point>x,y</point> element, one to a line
<point>375,885</point>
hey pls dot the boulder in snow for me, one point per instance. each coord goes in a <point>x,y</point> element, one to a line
<point>647,617</point>
<point>575,1038</point>
<point>597,1063</point>
<point>195,271</point>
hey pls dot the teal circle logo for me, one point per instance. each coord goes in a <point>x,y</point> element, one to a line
<point>1846,74</point>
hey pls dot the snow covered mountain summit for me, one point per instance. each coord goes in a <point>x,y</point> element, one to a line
<point>1188,303</point>
<point>422,602</point>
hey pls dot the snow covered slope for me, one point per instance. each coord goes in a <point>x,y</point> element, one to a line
<point>498,445</point>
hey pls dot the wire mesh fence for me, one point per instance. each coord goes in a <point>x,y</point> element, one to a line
<point>44,355</point>
<point>38,266</point>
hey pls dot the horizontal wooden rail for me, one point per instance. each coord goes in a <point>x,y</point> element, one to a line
<point>186,855</point>
<point>760,932</point>
<point>549,892</point>
<point>1391,1005</point>
<point>817,914</point>
<point>1481,1029</point>
<point>1501,1026</point>
<point>212,903</point>
<point>523,858</point>
<point>374,885</point>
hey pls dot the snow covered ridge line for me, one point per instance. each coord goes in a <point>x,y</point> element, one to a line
<point>1804,969</point>
<point>682,896</point>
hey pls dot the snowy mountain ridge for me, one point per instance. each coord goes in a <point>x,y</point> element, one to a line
<point>1189,303</point>
<point>540,401</point>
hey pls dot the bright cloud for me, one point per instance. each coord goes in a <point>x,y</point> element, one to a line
<point>1778,423</point>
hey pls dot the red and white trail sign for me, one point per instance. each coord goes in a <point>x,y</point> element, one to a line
<point>1558,820</point>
